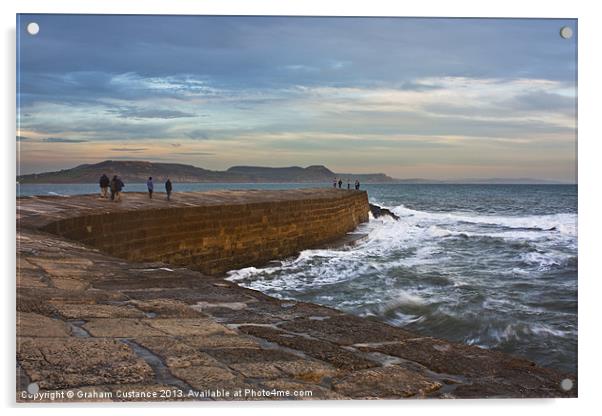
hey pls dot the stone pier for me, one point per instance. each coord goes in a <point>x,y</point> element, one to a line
<point>125,302</point>
<point>212,232</point>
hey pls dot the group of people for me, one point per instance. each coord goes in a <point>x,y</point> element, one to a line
<point>339,182</point>
<point>115,185</point>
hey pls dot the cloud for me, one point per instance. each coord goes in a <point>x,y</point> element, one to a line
<point>427,106</point>
<point>128,149</point>
<point>198,135</point>
<point>193,153</point>
<point>209,53</point>
<point>418,86</point>
<point>124,158</point>
<point>251,50</point>
<point>541,100</point>
<point>142,113</point>
<point>302,68</point>
<point>63,140</point>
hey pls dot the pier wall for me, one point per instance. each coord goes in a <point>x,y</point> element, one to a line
<point>216,238</point>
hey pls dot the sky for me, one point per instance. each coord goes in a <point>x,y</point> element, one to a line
<point>409,97</point>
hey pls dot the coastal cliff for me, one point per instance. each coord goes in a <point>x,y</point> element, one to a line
<point>139,171</point>
<point>123,324</point>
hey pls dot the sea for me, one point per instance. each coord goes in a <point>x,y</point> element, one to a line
<point>487,265</point>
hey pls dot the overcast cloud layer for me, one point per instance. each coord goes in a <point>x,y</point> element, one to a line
<point>431,98</point>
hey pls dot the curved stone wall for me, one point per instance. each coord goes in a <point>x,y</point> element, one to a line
<point>215,238</point>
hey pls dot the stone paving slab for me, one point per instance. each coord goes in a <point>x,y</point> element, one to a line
<point>55,363</point>
<point>40,326</point>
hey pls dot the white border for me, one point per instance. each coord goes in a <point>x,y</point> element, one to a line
<point>589,186</point>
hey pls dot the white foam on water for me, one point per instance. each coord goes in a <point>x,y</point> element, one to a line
<point>401,299</point>
<point>415,241</point>
<point>546,330</point>
<point>242,274</point>
<point>517,331</point>
<point>545,261</point>
<point>564,223</point>
<point>517,270</point>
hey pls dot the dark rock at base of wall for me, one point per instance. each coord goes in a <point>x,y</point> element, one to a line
<point>380,211</point>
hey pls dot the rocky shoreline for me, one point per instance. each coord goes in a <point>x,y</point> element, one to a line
<point>94,327</point>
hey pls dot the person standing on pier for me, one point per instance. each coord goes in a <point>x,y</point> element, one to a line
<point>340,183</point>
<point>334,183</point>
<point>357,185</point>
<point>104,185</point>
<point>168,189</point>
<point>116,187</point>
<point>150,186</point>
<point>113,187</point>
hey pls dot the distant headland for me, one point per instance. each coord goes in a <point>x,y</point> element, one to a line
<point>139,171</point>
<point>134,171</point>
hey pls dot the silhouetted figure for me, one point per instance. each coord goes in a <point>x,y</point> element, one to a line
<point>340,183</point>
<point>334,183</point>
<point>113,186</point>
<point>150,186</point>
<point>168,189</point>
<point>116,187</point>
<point>357,185</point>
<point>348,185</point>
<point>104,183</point>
